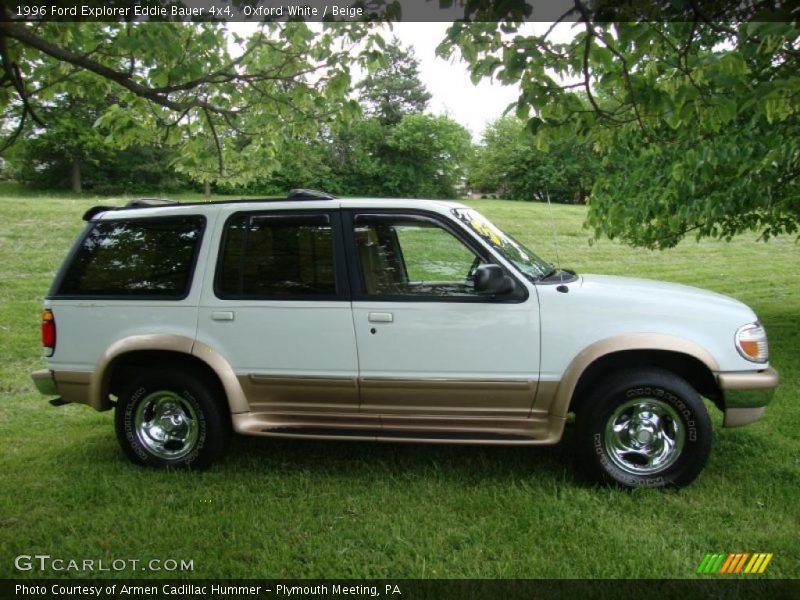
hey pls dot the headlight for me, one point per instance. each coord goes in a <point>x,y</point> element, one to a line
<point>751,342</point>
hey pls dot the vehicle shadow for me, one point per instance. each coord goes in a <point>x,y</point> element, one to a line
<point>381,460</point>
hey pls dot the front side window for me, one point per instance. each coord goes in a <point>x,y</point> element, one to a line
<point>401,256</point>
<point>143,258</point>
<point>277,256</point>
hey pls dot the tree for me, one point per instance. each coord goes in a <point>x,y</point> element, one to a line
<point>508,162</point>
<point>65,147</point>
<point>425,157</point>
<point>394,89</point>
<point>71,152</point>
<point>422,156</point>
<point>180,84</point>
<point>696,119</point>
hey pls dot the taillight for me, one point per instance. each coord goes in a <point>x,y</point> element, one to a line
<point>48,332</point>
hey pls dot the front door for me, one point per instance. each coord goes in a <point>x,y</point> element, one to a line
<point>428,343</point>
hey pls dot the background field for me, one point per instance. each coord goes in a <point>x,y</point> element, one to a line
<point>313,509</point>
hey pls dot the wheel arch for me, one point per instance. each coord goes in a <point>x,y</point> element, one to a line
<point>122,357</point>
<point>683,357</point>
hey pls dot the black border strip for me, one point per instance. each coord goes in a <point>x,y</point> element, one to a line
<point>543,11</point>
<point>729,588</point>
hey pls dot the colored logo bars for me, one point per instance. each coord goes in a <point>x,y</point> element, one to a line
<point>734,562</point>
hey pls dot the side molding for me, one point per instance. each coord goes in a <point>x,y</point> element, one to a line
<point>636,341</point>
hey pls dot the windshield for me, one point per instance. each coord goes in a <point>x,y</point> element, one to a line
<point>526,261</point>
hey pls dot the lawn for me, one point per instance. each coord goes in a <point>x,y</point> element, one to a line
<point>277,509</point>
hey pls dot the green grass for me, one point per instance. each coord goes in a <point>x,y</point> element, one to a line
<point>314,509</point>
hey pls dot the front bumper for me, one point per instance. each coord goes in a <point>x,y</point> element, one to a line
<point>746,395</point>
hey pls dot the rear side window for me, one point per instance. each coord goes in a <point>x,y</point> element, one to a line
<point>142,258</point>
<point>277,257</point>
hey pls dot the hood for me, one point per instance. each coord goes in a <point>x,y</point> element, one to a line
<point>649,290</point>
<point>599,307</point>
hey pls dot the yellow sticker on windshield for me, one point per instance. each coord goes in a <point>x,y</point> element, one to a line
<point>485,231</point>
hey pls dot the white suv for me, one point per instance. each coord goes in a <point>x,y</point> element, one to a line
<point>390,320</point>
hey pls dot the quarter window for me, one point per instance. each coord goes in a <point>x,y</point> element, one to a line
<point>269,256</point>
<point>151,258</point>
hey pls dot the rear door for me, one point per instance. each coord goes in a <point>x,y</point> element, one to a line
<point>428,344</point>
<point>278,309</point>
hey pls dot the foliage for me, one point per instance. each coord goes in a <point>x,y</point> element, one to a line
<point>697,121</point>
<point>222,107</point>
<point>55,155</point>
<point>394,89</point>
<point>395,150</point>
<point>70,151</point>
<point>131,170</point>
<point>509,162</point>
<point>301,162</point>
<point>422,156</point>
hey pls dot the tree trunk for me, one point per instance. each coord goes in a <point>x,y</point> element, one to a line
<point>76,176</point>
<point>207,188</point>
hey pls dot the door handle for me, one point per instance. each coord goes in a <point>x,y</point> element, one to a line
<point>380,317</point>
<point>222,315</point>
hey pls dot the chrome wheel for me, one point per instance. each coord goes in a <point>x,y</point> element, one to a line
<point>644,436</point>
<point>166,425</point>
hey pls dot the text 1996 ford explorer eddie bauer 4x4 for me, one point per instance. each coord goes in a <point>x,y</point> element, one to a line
<point>391,320</point>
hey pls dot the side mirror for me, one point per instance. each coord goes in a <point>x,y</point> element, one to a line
<point>492,281</point>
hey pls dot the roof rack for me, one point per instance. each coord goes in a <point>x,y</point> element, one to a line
<point>146,202</point>
<point>296,194</point>
<point>304,194</point>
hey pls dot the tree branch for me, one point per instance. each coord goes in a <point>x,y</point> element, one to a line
<point>216,142</point>
<point>13,75</point>
<point>21,34</point>
<point>625,72</point>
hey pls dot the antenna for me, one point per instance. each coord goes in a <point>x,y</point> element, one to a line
<point>555,237</point>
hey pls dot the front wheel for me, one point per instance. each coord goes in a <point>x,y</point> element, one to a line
<point>645,428</point>
<point>170,419</point>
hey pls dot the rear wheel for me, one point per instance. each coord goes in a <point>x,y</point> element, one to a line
<point>171,419</point>
<point>645,427</point>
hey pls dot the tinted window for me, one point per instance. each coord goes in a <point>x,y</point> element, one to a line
<point>404,257</point>
<point>141,258</point>
<point>277,257</point>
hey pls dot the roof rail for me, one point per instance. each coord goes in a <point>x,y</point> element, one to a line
<point>304,194</point>
<point>297,194</point>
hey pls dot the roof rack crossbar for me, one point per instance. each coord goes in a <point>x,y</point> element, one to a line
<point>145,202</point>
<point>305,194</point>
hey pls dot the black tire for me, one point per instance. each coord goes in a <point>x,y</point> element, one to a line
<point>171,419</point>
<point>644,428</point>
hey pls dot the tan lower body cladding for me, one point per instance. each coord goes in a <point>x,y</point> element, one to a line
<point>391,409</point>
<point>73,386</point>
<point>505,412</point>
